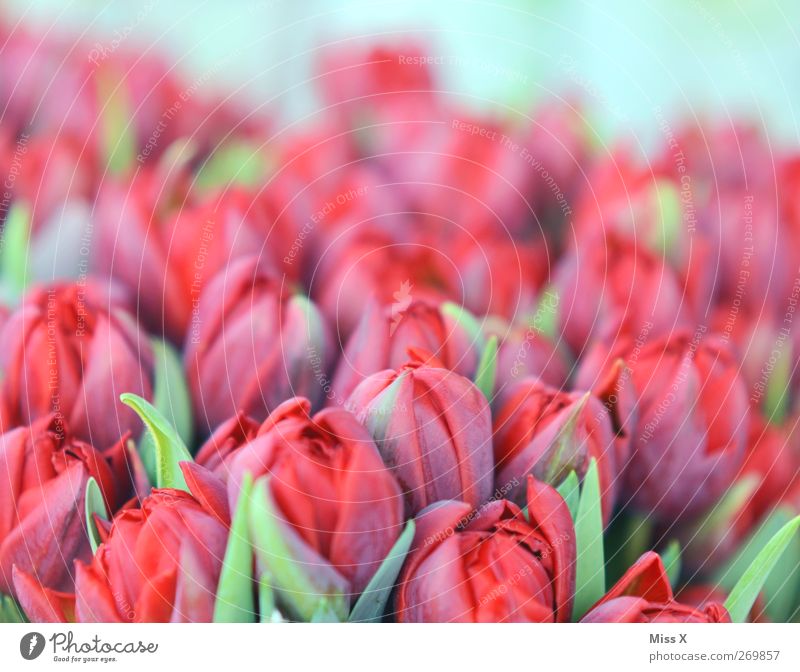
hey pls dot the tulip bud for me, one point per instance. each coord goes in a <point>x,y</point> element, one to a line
<point>322,491</point>
<point>160,563</point>
<point>529,352</point>
<point>609,285</point>
<point>255,346</point>
<point>548,433</point>
<point>384,335</point>
<point>644,595</point>
<point>433,429</point>
<point>71,349</point>
<point>692,425</point>
<point>43,477</point>
<point>491,565</point>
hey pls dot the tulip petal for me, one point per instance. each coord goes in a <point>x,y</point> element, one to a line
<point>40,604</point>
<point>549,515</point>
<point>207,489</point>
<point>646,578</point>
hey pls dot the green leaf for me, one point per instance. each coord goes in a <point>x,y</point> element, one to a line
<point>746,590</point>
<point>324,613</point>
<point>170,450</point>
<point>278,548</point>
<point>267,609</point>
<point>666,236</point>
<point>10,611</point>
<point>117,135</point>
<point>234,602</point>
<point>717,523</point>
<point>589,569</point>
<point>371,606</point>
<point>545,319</point>
<point>467,321</point>
<point>171,398</point>
<point>94,504</point>
<point>777,397</point>
<point>14,253</point>
<point>570,491</point>
<point>782,589</point>
<point>487,369</point>
<point>671,558</point>
<point>638,534</point>
<point>236,162</point>
<point>727,577</point>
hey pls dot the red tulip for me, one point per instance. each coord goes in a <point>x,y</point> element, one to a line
<point>159,563</point>
<point>255,346</point>
<point>155,229</point>
<point>609,286</point>
<point>72,349</point>
<point>371,264</point>
<point>644,595</point>
<point>224,443</point>
<point>43,476</point>
<point>369,87</point>
<point>693,409</point>
<point>526,351</point>
<point>691,422</point>
<point>336,500</point>
<point>433,429</point>
<point>385,334</point>
<point>771,466</point>
<point>545,432</point>
<point>491,565</point>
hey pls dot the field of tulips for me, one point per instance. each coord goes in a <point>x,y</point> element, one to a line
<point>397,361</point>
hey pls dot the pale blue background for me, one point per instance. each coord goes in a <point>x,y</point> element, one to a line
<point>720,57</point>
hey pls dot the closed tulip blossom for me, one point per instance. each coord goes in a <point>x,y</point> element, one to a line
<point>491,565</point>
<point>256,345</point>
<point>385,334</point>
<point>43,477</point>
<point>72,349</point>
<point>338,508</point>
<point>644,595</point>
<point>692,425</point>
<point>609,285</point>
<point>433,429</point>
<point>525,351</point>
<point>546,432</point>
<point>159,563</point>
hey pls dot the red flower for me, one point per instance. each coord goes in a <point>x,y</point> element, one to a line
<point>644,595</point>
<point>155,230</point>
<point>545,432</point>
<point>491,565</point>
<point>43,476</point>
<point>336,500</point>
<point>433,429</point>
<point>255,345</point>
<point>159,563</point>
<point>386,333</point>
<point>691,420</point>
<point>71,349</point>
<point>609,286</point>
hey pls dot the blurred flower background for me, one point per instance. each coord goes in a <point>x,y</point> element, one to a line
<point>413,310</point>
